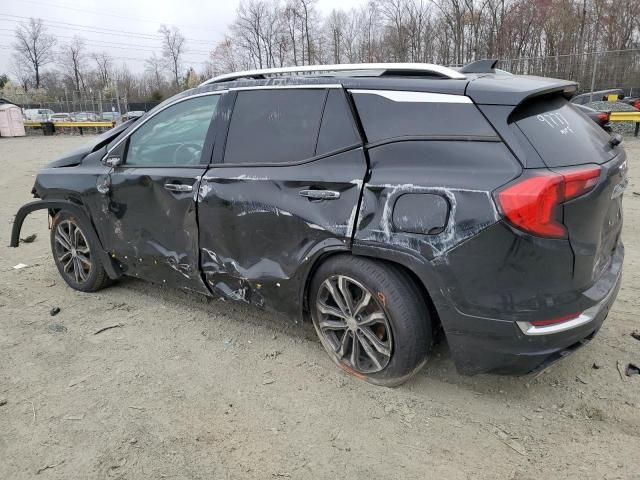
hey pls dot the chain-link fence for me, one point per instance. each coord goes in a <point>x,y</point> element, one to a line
<point>592,71</point>
<point>70,102</point>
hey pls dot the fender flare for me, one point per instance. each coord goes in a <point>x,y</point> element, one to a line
<point>112,271</point>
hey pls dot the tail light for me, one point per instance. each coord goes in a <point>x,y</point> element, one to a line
<point>532,203</point>
<point>636,104</point>
<point>603,116</point>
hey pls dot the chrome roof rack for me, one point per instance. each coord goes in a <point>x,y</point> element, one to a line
<point>376,69</point>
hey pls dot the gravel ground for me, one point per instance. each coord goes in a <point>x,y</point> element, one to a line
<point>193,388</point>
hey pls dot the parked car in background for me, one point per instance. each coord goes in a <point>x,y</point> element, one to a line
<point>610,95</point>
<point>84,117</point>
<point>38,114</point>
<point>385,203</point>
<point>601,118</point>
<point>633,101</point>
<point>111,116</point>
<point>61,117</point>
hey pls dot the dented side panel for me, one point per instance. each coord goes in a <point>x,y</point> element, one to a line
<point>463,173</point>
<point>151,231</point>
<point>259,236</point>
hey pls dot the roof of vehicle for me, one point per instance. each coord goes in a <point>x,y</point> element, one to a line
<point>483,88</point>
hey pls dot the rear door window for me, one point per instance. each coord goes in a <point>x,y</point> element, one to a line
<point>561,134</point>
<point>274,126</point>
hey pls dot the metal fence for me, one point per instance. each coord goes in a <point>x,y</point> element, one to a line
<point>70,102</point>
<point>592,71</point>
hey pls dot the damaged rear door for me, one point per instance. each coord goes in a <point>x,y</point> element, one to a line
<point>286,191</point>
<point>148,216</point>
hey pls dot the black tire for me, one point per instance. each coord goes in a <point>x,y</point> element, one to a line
<point>393,294</point>
<point>79,265</point>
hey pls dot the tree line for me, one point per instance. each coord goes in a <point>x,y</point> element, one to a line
<point>276,33</point>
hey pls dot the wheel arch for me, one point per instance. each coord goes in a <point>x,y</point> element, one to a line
<point>402,262</point>
<point>54,206</point>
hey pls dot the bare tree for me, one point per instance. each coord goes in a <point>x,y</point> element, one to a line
<point>154,67</point>
<point>34,47</point>
<point>104,68</point>
<point>22,71</point>
<point>173,50</point>
<point>73,60</point>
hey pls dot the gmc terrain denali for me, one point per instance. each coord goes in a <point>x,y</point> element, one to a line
<point>385,202</point>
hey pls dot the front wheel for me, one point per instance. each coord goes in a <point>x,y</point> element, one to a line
<point>74,254</point>
<point>371,319</point>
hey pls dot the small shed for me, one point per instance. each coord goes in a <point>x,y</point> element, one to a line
<point>11,121</point>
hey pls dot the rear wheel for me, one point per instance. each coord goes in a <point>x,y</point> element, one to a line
<point>371,319</point>
<point>74,255</point>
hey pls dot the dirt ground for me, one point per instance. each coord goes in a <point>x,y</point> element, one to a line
<point>194,388</point>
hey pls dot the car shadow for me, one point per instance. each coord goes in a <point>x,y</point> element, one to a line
<point>439,371</point>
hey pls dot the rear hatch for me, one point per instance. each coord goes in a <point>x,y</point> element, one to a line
<point>569,141</point>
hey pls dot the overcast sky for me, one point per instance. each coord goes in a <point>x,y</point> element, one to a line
<point>127,29</point>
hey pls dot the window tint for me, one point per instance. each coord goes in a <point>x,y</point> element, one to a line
<point>175,136</point>
<point>562,135</point>
<point>389,114</point>
<point>274,126</point>
<point>337,130</point>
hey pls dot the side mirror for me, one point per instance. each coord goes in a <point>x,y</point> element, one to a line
<point>115,156</point>
<point>113,160</point>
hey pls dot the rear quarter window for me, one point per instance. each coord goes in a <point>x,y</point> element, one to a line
<point>388,114</point>
<point>561,134</point>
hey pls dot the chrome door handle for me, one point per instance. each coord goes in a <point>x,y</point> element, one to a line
<point>320,194</point>
<point>178,187</point>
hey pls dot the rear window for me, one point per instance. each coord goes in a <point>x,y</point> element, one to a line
<point>387,114</point>
<point>562,135</point>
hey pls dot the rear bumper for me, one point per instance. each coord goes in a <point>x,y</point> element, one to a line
<point>483,345</point>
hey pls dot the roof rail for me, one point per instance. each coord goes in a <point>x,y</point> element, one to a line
<point>480,66</point>
<point>357,68</point>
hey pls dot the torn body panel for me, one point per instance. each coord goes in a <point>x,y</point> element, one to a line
<point>259,235</point>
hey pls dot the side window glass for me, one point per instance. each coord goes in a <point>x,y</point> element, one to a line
<point>175,136</point>
<point>337,130</point>
<point>274,126</point>
<point>391,114</point>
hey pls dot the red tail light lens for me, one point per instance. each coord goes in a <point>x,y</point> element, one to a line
<point>603,116</point>
<point>636,104</point>
<point>553,321</point>
<point>533,203</point>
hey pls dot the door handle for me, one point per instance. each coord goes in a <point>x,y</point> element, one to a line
<point>178,187</point>
<point>320,194</point>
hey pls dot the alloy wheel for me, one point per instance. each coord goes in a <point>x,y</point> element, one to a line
<point>72,251</point>
<point>354,324</point>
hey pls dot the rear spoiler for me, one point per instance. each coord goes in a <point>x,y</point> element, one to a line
<point>516,89</point>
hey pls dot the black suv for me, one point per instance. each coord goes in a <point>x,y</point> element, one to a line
<point>387,202</point>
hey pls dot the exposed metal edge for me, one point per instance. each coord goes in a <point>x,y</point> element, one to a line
<point>416,97</point>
